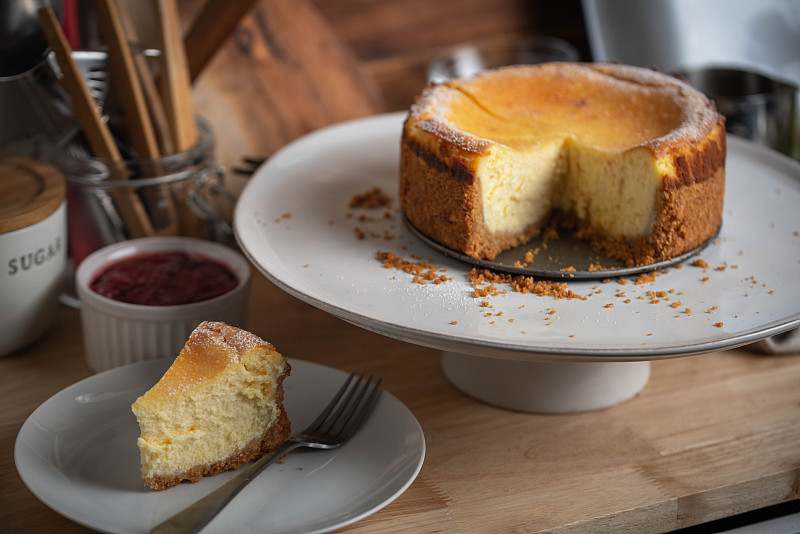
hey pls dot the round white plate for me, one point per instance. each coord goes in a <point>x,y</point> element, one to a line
<point>77,453</point>
<point>294,223</point>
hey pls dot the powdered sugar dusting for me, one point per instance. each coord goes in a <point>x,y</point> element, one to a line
<point>697,117</point>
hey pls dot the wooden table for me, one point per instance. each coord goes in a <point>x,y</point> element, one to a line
<point>710,436</point>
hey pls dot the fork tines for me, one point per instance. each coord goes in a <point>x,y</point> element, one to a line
<point>349,408</point>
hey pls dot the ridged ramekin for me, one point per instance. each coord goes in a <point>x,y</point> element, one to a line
<point>118,333</point>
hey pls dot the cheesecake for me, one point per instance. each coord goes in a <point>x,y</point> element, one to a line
<point>630,158</point>
<point>218,407</point>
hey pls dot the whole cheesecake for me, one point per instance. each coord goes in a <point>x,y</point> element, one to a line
<point>219,406</point>
<point>631,158</point>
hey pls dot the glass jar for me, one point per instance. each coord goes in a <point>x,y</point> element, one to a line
<point>178,194</point>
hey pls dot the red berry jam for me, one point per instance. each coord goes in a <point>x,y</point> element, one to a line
<point>164,279</point>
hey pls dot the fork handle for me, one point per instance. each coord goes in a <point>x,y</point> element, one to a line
<point>198,515</point>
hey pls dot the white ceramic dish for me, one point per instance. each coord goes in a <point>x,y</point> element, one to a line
<point>117,333</point>
<point>77,453</point>
<point>315,255</point>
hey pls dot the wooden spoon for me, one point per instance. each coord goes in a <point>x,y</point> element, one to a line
<point>175,82</point>
<point>135,110</point>
<point>97,134</point>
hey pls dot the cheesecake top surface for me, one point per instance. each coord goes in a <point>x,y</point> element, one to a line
<point>608,106</point>
<point>211,348</point>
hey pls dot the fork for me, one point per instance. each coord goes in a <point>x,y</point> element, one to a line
<point>337,423</point>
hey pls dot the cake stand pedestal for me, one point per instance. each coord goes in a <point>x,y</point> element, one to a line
<point>545,387</point>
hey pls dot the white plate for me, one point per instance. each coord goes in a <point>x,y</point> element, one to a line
<point>77,453</point>
<point>312,253</point>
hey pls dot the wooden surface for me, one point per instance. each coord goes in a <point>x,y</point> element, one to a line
<point>710,436</point>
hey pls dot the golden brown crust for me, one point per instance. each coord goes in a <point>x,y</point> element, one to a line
<point>457,220</point>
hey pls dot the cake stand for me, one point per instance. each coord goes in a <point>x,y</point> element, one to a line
<point>519,351</point>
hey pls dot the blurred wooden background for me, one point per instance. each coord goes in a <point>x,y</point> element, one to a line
<point>292,66</point>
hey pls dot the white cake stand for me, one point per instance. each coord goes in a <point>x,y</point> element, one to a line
<point>520,351</point>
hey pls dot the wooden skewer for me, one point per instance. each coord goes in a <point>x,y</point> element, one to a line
<point>97,134</point>
<point>126,82</point>
<point>175,84</point>
<point>134,108</point>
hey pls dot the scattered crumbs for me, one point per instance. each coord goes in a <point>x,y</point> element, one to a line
<point>718,325</point>
<point>622,281</point>
<point>704,279</point>
<point>675,304</point>
<point>687,311</point>
<point>627,301</point>
<point>520,284</point>
<point>306,265</point>
<point>359,233</point>
<point>572,335</point>
<point>454,322</point>
<point>645,278</point>
<point>649,334</point>
<point>609,305</point>
<point>700,263</point>
<point>721,267</point>
<point>511,320</point>
<point>299,468</point>
<point>286,215</point>
<point>605,281</point>
<point>423,271</point>
<point>712,309</point>
<point>679,266</point>
<point>374,198</point>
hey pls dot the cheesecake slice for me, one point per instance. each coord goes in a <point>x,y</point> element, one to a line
<point>631,158</point>
<point>219,406</point>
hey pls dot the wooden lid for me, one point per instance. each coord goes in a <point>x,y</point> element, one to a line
<point>30,191</point>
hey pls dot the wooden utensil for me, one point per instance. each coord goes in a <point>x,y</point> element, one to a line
<point>174,82</point>
<point>101,143</point>
<point>210,28</point>
<point>134,107</point>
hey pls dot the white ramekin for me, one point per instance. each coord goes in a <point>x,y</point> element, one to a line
<point>117,333</point>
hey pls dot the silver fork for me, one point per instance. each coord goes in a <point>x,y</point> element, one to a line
<point>337,423</point>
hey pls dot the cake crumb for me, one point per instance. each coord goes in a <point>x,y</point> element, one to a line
<point>718,325</point>
<point>700,263</point>
<point>374,198</point>
<point>423,271</point>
